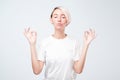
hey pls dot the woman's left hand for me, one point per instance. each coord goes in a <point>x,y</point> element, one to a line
<point>89,36</point>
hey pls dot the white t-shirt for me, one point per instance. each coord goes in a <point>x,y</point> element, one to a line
<point>59,56</point>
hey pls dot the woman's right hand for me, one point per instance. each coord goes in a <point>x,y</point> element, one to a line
<point>31,36</point>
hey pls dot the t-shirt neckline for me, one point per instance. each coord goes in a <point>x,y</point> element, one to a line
<point>59,39</point>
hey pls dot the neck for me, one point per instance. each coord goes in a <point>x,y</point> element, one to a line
<point>59,34</point>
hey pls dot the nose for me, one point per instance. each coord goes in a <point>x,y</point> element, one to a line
<point>59,19</point>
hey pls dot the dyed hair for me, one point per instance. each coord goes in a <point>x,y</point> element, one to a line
<point>65,11</point>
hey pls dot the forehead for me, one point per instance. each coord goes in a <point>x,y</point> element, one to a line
<point>58,12</point>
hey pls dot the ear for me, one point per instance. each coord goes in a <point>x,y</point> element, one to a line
<point>51,20</point>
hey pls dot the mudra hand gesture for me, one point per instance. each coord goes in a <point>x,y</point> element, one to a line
<point>31,36</point>
<point>89,36</point>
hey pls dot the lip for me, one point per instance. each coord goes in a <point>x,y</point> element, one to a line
<point>59,23</point>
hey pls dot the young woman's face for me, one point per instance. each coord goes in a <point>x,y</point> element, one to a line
<point>59,19</point>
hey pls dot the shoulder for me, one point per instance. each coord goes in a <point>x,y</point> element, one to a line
<point>45,41</point>
<point>73,40</point>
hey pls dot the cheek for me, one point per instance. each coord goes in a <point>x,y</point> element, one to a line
<point>65,21</point>
<point>53,21</point>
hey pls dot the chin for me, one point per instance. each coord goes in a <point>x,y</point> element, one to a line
<point>59,28</point>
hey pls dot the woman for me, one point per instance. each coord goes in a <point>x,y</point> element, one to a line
<point>60,53</point>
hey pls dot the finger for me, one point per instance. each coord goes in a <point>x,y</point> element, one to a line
<point>34,33</point>
<point>86,33</point>
<point>28,29</point>
<point>95,34</point>
<point>25,31</point>
<point>91,31</point>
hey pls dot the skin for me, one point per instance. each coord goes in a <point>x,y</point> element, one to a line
<point>59,22</point>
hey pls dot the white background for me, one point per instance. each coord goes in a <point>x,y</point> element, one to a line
<point>102,61</point>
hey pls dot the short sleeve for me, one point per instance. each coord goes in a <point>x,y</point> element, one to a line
<point>41,52</point>
<point>76,51</point>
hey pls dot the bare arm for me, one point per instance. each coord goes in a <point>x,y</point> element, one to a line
<point>88,37</point>
<point>37,65</point>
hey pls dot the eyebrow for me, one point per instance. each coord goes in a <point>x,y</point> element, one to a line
<point>61,14</point>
